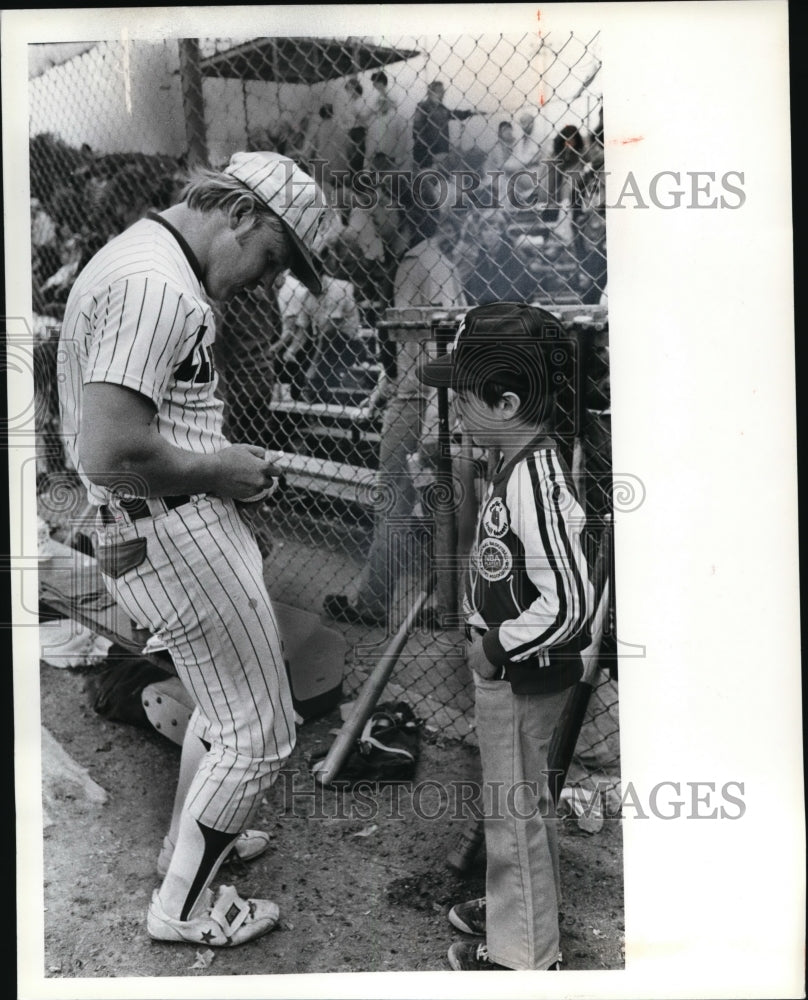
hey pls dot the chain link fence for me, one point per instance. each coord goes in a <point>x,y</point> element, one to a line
<point>462,171</point>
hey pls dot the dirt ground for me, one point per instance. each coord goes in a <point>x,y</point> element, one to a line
<point>361,885</point>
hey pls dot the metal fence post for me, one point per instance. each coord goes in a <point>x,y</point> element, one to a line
<point>192,102</point>
<point>445,521</point>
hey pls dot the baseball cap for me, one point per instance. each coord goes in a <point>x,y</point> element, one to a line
<point>504,342</point>
<point>294,197</point>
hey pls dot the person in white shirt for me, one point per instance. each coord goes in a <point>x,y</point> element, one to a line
<point>328,153</point>
<point>333,318</point>
<point>527,158</point>
<point>376,219</point>
<point>43,228</point>
<point>380,83</point>
<point>353,116</point>
<point>502,151</point>
<point>387,135</point>
<point>319,338</point>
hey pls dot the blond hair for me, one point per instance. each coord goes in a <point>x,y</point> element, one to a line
<point>211,191</point>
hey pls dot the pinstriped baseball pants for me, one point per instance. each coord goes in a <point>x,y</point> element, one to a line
<point>201,589</point>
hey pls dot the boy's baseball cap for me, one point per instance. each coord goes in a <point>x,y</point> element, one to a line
<point>504,342</point>
<point>295,198</point>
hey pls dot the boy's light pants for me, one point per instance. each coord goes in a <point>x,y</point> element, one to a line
<point>523,888</point>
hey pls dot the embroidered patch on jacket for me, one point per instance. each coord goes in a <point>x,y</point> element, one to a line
<point>495,518</point>
<point>494,560</point>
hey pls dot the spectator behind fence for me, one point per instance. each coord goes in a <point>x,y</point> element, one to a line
<point>320,340</point>
<point>524,166</point>
<point>494,180</point>
<point>427,276</point>
<point>387,135</point>
<point>492,267</point>
<point>45,256</point>
<point>567,166</point>
<point>68,206</point>
<point>528,603</point>
<point>363,275</point>
<point>380,84</point>
<point>579,192</point>
<point>333,321</point>
<point>245,361</point>
<point>384,219</point>
<point>143,426</point>
<point>297,139</point>
<point>590,242</point>
<point>328,150</point>
<point>377,220</point>
<point>353,116</point>
<point>126,196</point>
<point>430,128</point>
<point>43,229</point>
<point>289,349</point>
<point>51,296</point>
<point>280,136</point>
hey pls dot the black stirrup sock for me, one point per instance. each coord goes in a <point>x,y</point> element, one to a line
<point>216,846</point>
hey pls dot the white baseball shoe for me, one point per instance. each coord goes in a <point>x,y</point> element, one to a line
<point>247,846</point>
<point>223,920</point>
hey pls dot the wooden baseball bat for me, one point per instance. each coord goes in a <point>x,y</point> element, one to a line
<point>328,768</point>
<point>566,736</point>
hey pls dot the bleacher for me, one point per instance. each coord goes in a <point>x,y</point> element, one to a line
<point>331,449</point>
<point>341,481</point>
<point>327,430</point>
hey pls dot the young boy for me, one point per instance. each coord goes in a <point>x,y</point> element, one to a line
<point>527,604</point>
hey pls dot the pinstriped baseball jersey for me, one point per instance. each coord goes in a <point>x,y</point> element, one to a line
<point>528,581</point>
<point>138,317</point>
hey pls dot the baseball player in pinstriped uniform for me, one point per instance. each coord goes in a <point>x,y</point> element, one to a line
<point>143,428</point>
<point>527,603</point>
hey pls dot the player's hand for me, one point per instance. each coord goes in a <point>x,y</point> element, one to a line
<point>477,660</point>
<point>245,472</point>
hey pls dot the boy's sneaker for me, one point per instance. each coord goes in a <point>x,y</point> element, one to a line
<point>469,917</point>
<point>470,957</point>
<point>222,921</point>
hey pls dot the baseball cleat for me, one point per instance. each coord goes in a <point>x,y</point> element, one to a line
<point>469,917</point>
<point>248,845</point>
<point>225,920</point>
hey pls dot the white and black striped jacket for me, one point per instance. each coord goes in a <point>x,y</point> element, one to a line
<point>528,588</point>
